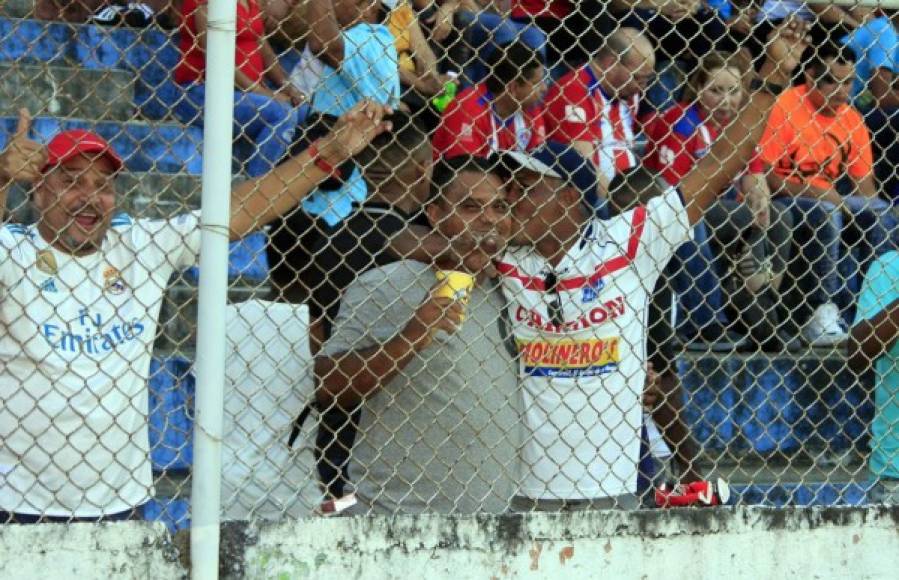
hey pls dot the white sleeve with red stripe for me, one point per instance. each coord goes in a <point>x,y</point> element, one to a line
<point>666,227</point>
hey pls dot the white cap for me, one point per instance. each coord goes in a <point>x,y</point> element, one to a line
<point>525,161</point>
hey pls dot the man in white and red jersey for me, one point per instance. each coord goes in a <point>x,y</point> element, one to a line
<point>500,114</point>
<point>594,107</point>
<point>578,291</point>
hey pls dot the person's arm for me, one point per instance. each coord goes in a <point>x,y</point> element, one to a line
<point>325,37</point>
<point>256,202</point>
<point>870,339</point>
<point>834,15</point>
<point>428,77</point>
<point>349,377</point>
<point>241,81</point>
<point>883,89</point>
<point>21,160</point>
<point>736,146</point>
<point>277,75</point>
<point>780,185</point>
<point>757,194</point>
<point>864,186</point>
<point>668,414</point>
<point>441,21</point>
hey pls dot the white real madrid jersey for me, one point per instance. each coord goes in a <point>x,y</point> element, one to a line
<point>76,336</point>
<point>581,332</point>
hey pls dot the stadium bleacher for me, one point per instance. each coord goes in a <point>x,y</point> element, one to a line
<point>740,406</point>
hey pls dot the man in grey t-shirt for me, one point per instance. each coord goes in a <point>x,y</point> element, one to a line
<point>440,427</point>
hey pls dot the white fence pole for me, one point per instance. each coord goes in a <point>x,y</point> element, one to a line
<point>210,361</point>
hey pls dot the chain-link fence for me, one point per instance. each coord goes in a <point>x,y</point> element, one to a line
<point>597,250</point>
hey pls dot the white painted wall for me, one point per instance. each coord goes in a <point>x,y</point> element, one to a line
<point>731,543</point>
<point>113,551</point>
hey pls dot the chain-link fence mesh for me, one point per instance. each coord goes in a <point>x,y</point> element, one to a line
<point>498,304</point>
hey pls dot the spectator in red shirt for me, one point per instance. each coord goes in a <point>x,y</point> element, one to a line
<point>500,114</point>
<point>264,100</point>
<point>747,230</point>
<point>594,107</point>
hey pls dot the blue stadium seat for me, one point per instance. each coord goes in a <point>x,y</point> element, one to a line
<point>775,404</point>
<point>150,53</point>
<point>802,494</point>
<point>171,414</point>
<point>174,513</point>
<point>246,259</point>
<point>144,146</point>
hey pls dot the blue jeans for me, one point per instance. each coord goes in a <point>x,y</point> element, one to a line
<point>267,123</point>
<point>697,283</point>
<point>817,227</point>
<point>867,232</point>
<point>833,270</point>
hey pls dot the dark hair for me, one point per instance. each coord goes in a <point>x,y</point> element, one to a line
<point>446,171</point>
<point>511,62</point>
<point>827,51</point>
<point>633,187</point>
<point>387,154</point>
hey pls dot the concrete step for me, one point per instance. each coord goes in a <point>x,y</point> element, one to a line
<point>144,145</point>
<point>103,95</point>
<point>149,54</point>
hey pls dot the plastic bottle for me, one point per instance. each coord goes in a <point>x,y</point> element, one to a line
<point>442,101</point>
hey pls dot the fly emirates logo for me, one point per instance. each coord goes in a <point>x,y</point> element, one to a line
<point>597,316</point>
<point>90,333</point>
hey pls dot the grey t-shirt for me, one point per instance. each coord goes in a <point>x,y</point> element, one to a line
<point>443,435</point>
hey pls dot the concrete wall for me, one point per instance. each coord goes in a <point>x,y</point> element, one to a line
<point>125,550</point>
<point>743,542</point>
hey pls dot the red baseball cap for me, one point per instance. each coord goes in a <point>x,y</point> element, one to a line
<point>69,144</point>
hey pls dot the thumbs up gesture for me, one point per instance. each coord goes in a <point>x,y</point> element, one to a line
<point>23,157</point>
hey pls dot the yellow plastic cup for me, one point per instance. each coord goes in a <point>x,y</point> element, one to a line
<point>456,286</point>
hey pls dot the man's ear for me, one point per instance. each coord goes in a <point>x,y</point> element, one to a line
<point>570,195</point>
<point>432,212</point>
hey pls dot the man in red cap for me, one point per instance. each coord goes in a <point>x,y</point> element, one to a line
<point>81,292</point>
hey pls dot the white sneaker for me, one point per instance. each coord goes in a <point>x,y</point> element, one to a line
<point>825,327</point>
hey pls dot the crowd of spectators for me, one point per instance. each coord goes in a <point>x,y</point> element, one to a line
<point>573,94</point>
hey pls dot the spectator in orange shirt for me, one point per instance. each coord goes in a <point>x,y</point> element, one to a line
<point>815,139</point>
<point>500,114</point>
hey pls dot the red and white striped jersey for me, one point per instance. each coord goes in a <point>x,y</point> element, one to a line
<point>578,110</point>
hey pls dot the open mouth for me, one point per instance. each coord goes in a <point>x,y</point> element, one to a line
<point>86,220</point>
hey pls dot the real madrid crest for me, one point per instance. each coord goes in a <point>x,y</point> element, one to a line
<point>113,281</point>
<point>46,262</point>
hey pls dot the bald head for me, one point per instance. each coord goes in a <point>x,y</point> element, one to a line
<point>625,41</point>
<point>627,63</point>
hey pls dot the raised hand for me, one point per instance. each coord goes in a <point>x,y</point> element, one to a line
<point>23,157</point>
<point>785,45</point>
<point>353,131</point>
